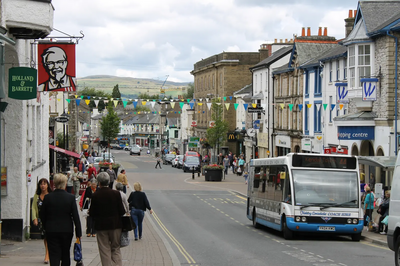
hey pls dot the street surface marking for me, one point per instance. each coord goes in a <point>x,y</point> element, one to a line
<point>181,249</point>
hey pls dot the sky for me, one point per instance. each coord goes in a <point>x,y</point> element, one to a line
<point>156,38</point>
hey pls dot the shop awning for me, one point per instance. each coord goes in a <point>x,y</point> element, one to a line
<point>387,163</point>
<point>69,153</point>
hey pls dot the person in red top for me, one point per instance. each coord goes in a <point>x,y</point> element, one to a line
<point>91,171</point>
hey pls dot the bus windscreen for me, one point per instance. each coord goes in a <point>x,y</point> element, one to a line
<point>324,162</point>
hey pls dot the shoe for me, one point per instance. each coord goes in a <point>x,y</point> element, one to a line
<point>136,239</point>
<point>140,237</point>
<point>94,235</point>
<point>383,233</point>
<point>88,235</point>
<point>46,262</point>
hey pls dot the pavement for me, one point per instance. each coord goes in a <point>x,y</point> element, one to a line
<point>153,249</point>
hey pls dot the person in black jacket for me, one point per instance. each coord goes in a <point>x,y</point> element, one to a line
<point>90,190</point>
<point>384,211</point>
<point>138,204</point>
<point>59,213</point>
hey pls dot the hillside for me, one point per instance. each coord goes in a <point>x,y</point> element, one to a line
<point>132,87</point>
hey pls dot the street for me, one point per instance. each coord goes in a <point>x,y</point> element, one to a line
<point>205,223</point>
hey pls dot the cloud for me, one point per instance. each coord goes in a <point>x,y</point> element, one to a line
<point>155,38</point>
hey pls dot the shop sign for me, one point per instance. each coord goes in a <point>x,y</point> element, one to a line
<point>369,89</point>
<point>255,110</point>
<point>62,119</point>
<point>22,83</point>
<point>282,141</point>
<point>342,93</point>
<point>356,133</point>
<point>194,139</point>
<point>194,123</point>
<point>262,140</point>
<point>193,144</point>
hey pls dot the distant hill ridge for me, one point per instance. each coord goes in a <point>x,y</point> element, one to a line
<point>103,78</point>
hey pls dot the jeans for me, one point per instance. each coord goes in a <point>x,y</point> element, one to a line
<point>226,169</point>
<point>138,216</point>
<point>77,186</point>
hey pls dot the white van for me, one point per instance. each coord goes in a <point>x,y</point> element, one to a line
<point>393,236</point>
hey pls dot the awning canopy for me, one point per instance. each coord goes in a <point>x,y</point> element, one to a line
<point>69,153</point>
<point>387,163</point>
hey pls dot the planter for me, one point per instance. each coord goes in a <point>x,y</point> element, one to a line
<point>213,174</point>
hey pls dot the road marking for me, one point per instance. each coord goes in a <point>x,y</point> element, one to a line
<point>181,249</point>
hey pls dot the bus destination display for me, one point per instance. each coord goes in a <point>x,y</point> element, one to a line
<point>324,162</point>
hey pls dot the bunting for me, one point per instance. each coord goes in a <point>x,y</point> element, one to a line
<point>245,105</point>
<point>290,106</point>
<point>227,106</point>
<point>236,106</point>
<point>87,102</point>
<point>96,102</point>
<point>181,105</point>
<point>282,105</point>
<point>124,103</point>
<point>172,105</point>
<point>134,104</point>
<point>209,106</point>
<point>115,103</point>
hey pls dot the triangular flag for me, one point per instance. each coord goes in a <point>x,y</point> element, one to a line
<point>76,96</point>
<point>332,106</point>
<point>112,99</point>
<point>125,102</point>
<point>236,105</point>
<point>224,99</point>
<point>152,104</point>
<point>115,103</point>
<point>264,106</point>
<point>144,102</point>
<point>81,96</point>
<point>290,106</point>
<point>309,105</point>
<point>325,105</point>
<point>227,106</point>
<point>230,98</point>
<point>96,102</point>
<point>245,105</point>
<point>200,104</point>
<point>68,100</point>
<point>88,97</point>
<point>206,99</point>
<point>87,102</point>
<point>188,100</point>
<point>59,99</point>
<point>318,106</point>
<point>254,105</point>
<point>134,104</point>
<point>172,105</point>
<point>282,105</point>
<point>191,105</point>
<point>218,103</point>
<point>209,106</point>
<point>300,107</point>
<point>78,101</point>
<point>106,101</point>
<point>341,106</point>
<point>181,105</point>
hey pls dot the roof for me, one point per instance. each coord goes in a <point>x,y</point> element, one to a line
<point>358,34</point>
<point>374,13</point>
<point>281,69</point>
<point>248,89</point>
<point>357,116</point>
<point>333,53</point>
<point>274,57</point>
<point>304,52</point>
<point>385,162</point>
<point>143,119</point>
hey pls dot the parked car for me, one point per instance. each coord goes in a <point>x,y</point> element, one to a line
<point>180,163</point>
<point>190,162</point>
<point>97,160</point>
<point>168,158</point>
<point>134,150</point>
<point>190,154</point>
<point>107,156</point>
<point>127,148</point>
<point>114,146</point>
<point>176,160</point>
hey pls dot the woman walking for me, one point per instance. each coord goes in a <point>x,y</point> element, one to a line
<point>138,203</point>
<point>123,180</point>
<point>368,206</point>
<point>43,188</point>
<point>90,231</point>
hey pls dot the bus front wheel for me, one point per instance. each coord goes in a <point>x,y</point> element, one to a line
<point>287,233</point>
<point>356,237</point>
<point>255,224</point>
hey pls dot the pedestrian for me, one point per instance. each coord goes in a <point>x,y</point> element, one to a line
<point>246,175</point>
<point>70,182</point>
<point>383,210</point>
<point>235,164</point>
<point>122,179</point>
<point>138,203</point>
<point>220,159</point>
<point>42,189</point>
<point>91,172</point>
<point>112,176</point>
<point>90,159</point>
<point>77,179</point>
<point>107,209</point>
<point>368,206</point>
<point>158,162</point>
<point>59,214</point>
<point>226,164</point>
<point>119,187</point>
<point>81,165</point>
<point>87,197</point>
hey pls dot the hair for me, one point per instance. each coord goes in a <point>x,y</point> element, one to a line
<point>137,186</point>
<point>387,192</point>
<point>90,165</point>
<point>60,181</point>
<point>93,181</point>
<point>119,186</point>
<point>53,50</point>
<point>38,190</point>
<point>103,178</point>
<point>367,189</point>
<point>123,170</point>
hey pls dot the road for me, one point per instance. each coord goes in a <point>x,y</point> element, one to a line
<point>206,225</point>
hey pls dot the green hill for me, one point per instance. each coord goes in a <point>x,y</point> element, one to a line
<point>132,87</point>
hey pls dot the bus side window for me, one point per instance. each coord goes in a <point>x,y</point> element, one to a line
<point>285,183</point>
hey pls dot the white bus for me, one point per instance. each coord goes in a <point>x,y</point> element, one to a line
<point>306,193</point>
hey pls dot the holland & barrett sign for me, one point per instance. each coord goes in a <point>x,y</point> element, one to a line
<point>22,83</point>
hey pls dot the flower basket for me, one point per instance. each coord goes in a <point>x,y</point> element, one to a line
<point>213,172</point>
<point>107,164</point>
<point>213,167</point>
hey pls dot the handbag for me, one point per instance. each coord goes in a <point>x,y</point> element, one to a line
<point>78,250</point>
<point>379,210</point>
<point>125,239</point>
<point>385,220</point>
<point>86,206</point>
<point>127,224</point>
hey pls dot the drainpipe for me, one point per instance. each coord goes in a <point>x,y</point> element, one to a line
<point>395,93</point>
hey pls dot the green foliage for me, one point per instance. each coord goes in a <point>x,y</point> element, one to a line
<point>189,92</point>
<point>92,92</point>
<point>109,124</point>
<point>217,134</point>
<point>146,96</point>
<point>60,138</point>
<point>116,93</point>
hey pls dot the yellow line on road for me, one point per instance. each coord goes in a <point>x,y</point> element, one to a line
<point>184,253</point>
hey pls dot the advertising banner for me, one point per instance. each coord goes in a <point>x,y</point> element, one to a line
<point>356,133</point>
<point>342,93</point>
<point>22,83</point>
<point>369,89</point>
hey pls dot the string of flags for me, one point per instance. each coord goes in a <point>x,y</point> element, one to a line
<point>192,103</point>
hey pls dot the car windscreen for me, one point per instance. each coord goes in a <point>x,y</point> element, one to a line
<point>191,159</point>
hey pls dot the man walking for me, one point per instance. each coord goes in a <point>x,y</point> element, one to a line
<point>112,175</point>
<point>77,178</point>
<point>107,208</point>
<point>158,161</point>
<point>226,164</point>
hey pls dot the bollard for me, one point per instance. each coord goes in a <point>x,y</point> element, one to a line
<point>193,172</point>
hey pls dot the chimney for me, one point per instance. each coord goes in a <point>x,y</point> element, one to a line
<point>308,31</point>
<point>303,31</point>
<point>349,22</point>
<point>276,40</point>
<point>320,31</point>
<point>285,40</point>
<point>325,31</point>
<point>264,51</point>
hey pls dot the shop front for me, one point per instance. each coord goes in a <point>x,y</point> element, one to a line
<point>282,144</point>
<point>262,141</point>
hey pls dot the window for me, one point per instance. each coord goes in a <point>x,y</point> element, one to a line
<point>306,118</point>
<point>307,89</point>
<point>317,116</point>
<point>330,71</point>
<point>318,82</point>
<point>364,62</point>
<point>255,87</point>
<point>352,65</point>
<point>176,133</point>
<point>345,69</point>
<point>270,182</point>
<point>330,109</point>
<point>337,70</point>
<point>261,82</point>
<point>220,80</point>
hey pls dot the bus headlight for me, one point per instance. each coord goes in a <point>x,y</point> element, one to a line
<point>355,221</point>
<point>303,219</point>
<point>298,218</point>
<point>349,221</point>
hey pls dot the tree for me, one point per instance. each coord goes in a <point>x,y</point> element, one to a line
<point>60,140</point>
<point>92,92</point>
<point>109,124</point>
<point>217,135</point>
<point>189,92</point>
<point>116,93</point>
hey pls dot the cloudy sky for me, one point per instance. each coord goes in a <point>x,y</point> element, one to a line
<point>155,38</point>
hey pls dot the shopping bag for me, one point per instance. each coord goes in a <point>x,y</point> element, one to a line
<point>127,224</point>
<point>385,220</point>
<point>78,250</point>
<point>125,239</point>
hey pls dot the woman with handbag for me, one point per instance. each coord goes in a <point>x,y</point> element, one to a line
<point>43,188</point>
<point>368,206</point>
<point>383,210</point>
<point>138,204</point>
<point>90,231</point>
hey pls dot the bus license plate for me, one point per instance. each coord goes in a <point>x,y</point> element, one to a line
<point>326,228</point>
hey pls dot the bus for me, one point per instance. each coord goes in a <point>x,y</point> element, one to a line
<point>313,193</point>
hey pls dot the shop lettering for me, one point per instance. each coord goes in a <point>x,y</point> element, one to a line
<point>18,88</point>
<point>282,142</point>
<point>352,135</point>
<point>23,78</point>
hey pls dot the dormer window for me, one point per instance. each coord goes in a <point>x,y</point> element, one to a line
<point>359,57</point>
